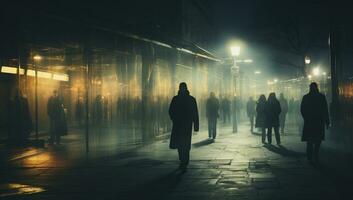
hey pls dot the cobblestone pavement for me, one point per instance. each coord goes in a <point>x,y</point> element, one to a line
<point>234,166</point>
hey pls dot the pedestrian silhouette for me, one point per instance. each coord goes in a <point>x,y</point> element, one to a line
<point>226,109</point>
<point>250,110</point>
<point>273,110</point>
<point>261,116</point>
<point>315,114</point>
<point>20,121</point>
<point>212,107</point>
<point>98,111</point>
<point>184,114</point>
<point>57,116</point>
<point>284,110</point>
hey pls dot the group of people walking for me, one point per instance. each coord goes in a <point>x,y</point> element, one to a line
<point>267,114</point>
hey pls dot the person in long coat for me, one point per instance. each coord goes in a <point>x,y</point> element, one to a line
<point>273,110</point>
<point>250,111</point>
<point>316,116</point>
<point>184,115</point>
<point>20,120</point>
<point>212,107</point>
<point>261,116</point>
<point>57,116</point>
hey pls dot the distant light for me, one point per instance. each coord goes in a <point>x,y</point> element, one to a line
<point>22,71</point>
<point>8,70</point>
<point>309,77</point>
<point>37,57</point>
<point>324,73</point>
<point>276,80</point>
<point>61,77</point>
<point>248,61</point>
<point>235,51</point>
<point>31,72</point>
<point>307,60</point>
<point>257,72</point>
<point>44,74</point>
<point>316,71</point>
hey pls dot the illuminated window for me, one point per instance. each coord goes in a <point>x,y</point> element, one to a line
<point>44,74</point>
<point>61,77</point>
<point>9,70</point>
<point>31,72</point>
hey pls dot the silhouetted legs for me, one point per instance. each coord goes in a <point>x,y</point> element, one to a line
<point>252,123</point>
<point>212,128</point>
<point>312,150</point>
<point>263,131</point>
<point>184,156</point>
<point>269,135</point>
<point>282,122</point>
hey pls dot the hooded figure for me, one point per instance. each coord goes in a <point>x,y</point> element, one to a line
<point>184,114</point>
<point>315,114</point>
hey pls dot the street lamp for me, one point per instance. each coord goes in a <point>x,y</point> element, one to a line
<point>307,60</point>
<point>36,58</point>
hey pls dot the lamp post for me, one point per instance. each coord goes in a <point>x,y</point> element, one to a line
<point>235,51</point>
<point>36,59</point>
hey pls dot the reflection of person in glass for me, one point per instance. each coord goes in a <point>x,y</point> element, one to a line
<point>184,114</point>
<point>212,107</point>
<point>56,113</point>
<point>20,121</point>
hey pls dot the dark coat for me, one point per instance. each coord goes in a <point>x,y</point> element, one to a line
<point>260,115</point>
<point>315,114</point>
<point>273,110</point>
<point>183,112</point>
<point>57,115</point>
<point>212,107</point>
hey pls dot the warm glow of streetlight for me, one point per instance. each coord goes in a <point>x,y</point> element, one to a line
<point>37,57</point>
<point>309,77</point>
<point>307,60</point>
<point>235,50</point>
<point>316,71</point>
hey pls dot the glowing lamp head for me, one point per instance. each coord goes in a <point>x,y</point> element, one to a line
<point>235,51</point>
<point>307,60</point>
<point>316,71</point>
<point>37,57</point>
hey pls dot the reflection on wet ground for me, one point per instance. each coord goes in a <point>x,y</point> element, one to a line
<point>234,166</point>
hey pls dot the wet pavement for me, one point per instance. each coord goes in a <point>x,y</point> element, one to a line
<point>234,166</point>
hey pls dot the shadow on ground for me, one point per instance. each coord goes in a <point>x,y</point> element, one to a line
<point>283,151</point>
<point>203,143</point>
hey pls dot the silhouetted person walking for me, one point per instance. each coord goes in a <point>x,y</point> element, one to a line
<point>212,107</point>
<point>56,113</point>
<point>226,109</point>
<point>261,116</point>
<point>284,110</point>
<point>315,114</point>
<point>184,114</point>
<point>273,110</point>
<point>250,110</point>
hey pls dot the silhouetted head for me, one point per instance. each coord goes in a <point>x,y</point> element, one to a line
<point>272,97</point>
<point>314,87</point>
<point>183,88</point>
<point>212,94</point>
<point>55,93</point>
<point>262,98</point>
